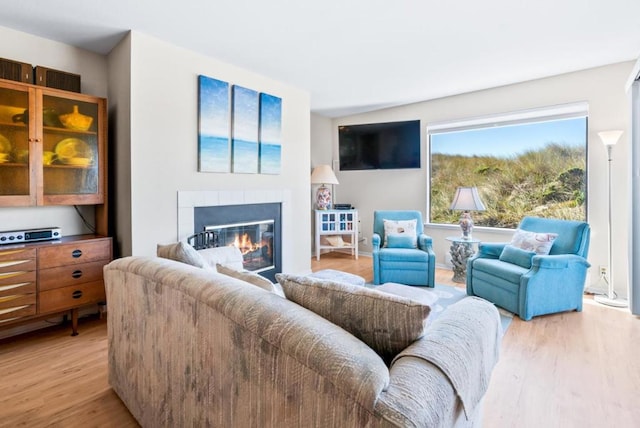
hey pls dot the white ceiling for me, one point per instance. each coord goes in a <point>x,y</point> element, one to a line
<point>359,55</point>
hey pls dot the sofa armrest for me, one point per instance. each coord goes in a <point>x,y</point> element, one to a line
<point>450,366</point>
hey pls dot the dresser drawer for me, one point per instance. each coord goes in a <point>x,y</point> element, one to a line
<point>16,306</point>
<point>63,276</point>
<point>12,283</point>
<point>75,253</point>
<point>60,299</point>
<point>20,259</point>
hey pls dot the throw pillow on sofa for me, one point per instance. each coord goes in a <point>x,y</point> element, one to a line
<point>251,278</point>
<point>181,252</point>
<point>386,323</point>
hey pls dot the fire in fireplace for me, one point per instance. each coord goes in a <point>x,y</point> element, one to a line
<point>255,240</point>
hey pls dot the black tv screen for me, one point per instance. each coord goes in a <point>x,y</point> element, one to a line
<point>391,145</point>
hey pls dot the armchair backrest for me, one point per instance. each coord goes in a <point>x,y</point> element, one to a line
<point>573,236</point>
<point>380,216</point>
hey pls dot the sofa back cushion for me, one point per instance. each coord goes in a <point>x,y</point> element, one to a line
<point>385,322</point>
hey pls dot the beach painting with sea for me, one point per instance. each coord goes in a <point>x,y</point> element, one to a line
<point>270,134</point>
<point>213,125</point>
<point>244,141</point>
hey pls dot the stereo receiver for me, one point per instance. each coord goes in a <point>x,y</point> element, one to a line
<point>30,235</point>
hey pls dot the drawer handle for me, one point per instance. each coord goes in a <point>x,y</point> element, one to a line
<point>76,274</point>
<point>76,294</point>
<point>76,253</point>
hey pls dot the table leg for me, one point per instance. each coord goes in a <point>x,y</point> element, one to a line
<point>74,321</point>
<point>460,253</point>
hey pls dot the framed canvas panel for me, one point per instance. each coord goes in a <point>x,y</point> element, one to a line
<point>270,134</point>
<point>214,125</point>
<point>244,140</point>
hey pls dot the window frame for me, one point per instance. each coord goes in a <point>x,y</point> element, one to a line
<point>543,114</point>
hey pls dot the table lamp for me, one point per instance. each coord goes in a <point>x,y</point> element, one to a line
<point>323,175</point>
<point>467,199</point>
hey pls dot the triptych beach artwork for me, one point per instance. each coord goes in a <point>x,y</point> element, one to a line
<point>239,129</point>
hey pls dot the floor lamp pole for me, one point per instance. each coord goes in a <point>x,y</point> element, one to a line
<point>610,299</point>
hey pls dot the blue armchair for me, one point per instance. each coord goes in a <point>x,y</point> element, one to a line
<point>535,284</point>
<point>398,262</point>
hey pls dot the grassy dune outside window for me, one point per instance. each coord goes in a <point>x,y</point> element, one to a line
<point>530,163</point>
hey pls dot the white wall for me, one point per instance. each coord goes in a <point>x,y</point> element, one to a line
<point>163,145</point>
<point>119,60</point>
<point>604,90</point>
<point>92,68</point>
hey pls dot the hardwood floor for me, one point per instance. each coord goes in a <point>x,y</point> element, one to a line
<point>564,370</point>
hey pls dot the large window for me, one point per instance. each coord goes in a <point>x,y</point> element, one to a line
<point>529,163</point>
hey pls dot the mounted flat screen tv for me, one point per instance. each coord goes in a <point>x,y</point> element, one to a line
<point>391,145</point>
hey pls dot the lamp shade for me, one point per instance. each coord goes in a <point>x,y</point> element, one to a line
<point>609,138</point>
<point>323,174</point>
<point>467,199</point>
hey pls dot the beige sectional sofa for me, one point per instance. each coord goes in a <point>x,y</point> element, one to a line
<point>190,347</point>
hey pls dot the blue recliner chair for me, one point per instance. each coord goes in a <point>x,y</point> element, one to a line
<point>532,285</point>
<point>400,263</point>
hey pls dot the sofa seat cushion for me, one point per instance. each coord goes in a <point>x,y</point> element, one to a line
<point>385,322</point>
<point>403,255</point>
<point>507,271</point>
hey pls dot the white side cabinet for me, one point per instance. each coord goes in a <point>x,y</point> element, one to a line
<point>337,230</point>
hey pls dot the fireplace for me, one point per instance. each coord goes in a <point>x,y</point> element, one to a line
<point>254,228</point>
<point>253,239</point>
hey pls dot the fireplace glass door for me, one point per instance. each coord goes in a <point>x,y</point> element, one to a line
<point>255,240</point>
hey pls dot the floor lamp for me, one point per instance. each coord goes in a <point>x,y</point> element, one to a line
<point>610,138</point>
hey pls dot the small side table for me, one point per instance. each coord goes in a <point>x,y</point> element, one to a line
<point>460,250</point>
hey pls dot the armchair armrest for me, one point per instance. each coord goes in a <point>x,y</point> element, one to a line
<point>425,242</point>
<point>554,283</point>
<point>559,261</point>
<point>375,242</point>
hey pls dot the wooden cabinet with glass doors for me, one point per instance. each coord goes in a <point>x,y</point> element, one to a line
<point>52,146</point>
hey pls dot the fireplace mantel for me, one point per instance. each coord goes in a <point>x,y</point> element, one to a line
<point>190,199</point>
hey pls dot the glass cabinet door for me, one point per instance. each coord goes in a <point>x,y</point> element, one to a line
<point>15,141</point>
<point>70,149</point>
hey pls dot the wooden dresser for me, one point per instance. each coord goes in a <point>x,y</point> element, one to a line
<point>41,279</point>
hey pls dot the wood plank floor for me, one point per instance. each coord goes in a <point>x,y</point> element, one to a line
<point>565,370</point>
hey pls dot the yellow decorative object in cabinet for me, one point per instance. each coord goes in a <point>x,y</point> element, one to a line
<point>52,146</point>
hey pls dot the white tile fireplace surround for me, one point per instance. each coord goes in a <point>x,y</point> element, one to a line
<point>188,200</point>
